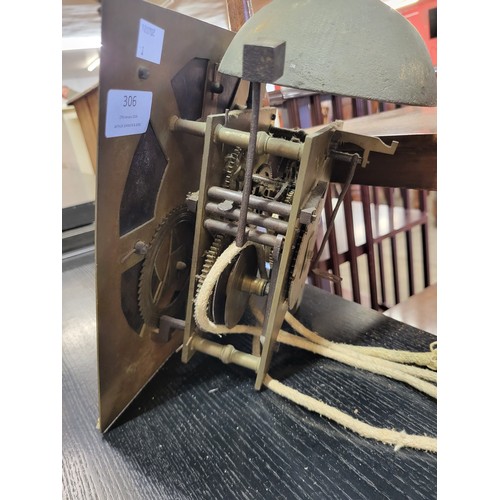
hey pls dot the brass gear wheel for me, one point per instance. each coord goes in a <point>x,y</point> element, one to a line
<point>164,279</point>
<point>232,167</point>
<point>233,164</point>
<point>218,245</point>
<point>293,289</point>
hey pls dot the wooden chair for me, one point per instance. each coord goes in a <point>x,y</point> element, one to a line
<point>371,218</point>
<point>369,226</point>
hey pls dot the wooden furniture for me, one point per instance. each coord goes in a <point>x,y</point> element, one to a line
<point>87,109</point>
<point>419,310</point>
<point>414,165</point>
<point>362,228</point>
<point>238,11</point>
<point>201,431</point>
<point>415,128</point>
<point>374,211</point>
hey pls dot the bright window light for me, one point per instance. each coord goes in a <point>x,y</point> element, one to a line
<point>81,42</point>
<point>398,4</point>
<point>94,64</point>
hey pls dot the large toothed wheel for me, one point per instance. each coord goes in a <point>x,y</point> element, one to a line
<point>164,280</point>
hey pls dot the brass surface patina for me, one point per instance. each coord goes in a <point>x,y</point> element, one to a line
<point>172,198</point>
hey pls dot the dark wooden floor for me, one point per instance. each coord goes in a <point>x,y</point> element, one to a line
<point>201,431</point>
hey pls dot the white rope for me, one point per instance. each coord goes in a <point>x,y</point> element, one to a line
<point>428,359</point>
<point>391,355</point>
<point>399,439</point>
<point>344,354</point>
<point>205,292</point>
<point>372,365</point>
<point>371,359</point>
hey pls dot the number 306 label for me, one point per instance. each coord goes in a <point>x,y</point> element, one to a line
<point>127,112</point>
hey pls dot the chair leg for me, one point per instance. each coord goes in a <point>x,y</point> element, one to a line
<point>238,11</point>
<point>425,239</point>
<point>332,242</point>
<point>425,249</point>
<point>381,268</point>
<point>409,253</point>
<point>316,112</point>
<point>338,111</point>
<point>360,107</point>
<point>370,247</point>
<point>394,249</point>
<point>409,245</point>
<point>292,108</point>
<point>351,243</point>
<point>395,271</point>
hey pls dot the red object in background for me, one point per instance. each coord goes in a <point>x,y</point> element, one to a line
<point>423,15</point>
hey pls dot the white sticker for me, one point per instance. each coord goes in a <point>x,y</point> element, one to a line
<point>149,42</point>
<point>127,112</point>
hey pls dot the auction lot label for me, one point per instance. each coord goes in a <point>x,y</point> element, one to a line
<point>127,112</point>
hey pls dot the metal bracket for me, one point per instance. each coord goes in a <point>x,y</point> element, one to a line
<point>309,213</point>
<point>367,143</point>
<point>168,325</point>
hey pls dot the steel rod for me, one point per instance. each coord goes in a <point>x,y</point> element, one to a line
<point>191,127</point>
<point>265,144</point>
<point>280,226</point>
<point>226,353</point>
<point>250,160</point>
<point>231,229</point>
<point>256,202</point>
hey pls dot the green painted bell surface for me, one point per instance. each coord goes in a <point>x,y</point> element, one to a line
<point>355,48</point>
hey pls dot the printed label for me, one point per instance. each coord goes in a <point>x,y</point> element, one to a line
<point>127,112</point>
<point>149,42</point>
